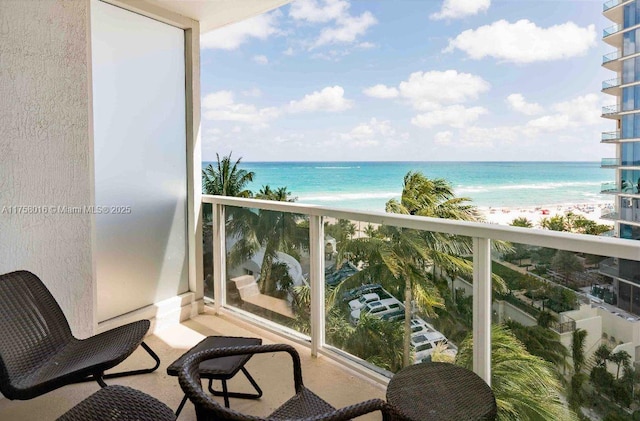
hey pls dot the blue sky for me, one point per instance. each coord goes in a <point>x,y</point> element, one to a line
<point>404,80</point>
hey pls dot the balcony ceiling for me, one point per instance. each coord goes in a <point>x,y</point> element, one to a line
<point>214,14</point>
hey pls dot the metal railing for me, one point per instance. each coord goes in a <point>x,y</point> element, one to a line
<point>611,30</point>
<point>611,83</point>
<point>482,235</point>
<point>611,136</point>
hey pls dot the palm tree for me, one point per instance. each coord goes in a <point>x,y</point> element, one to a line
<point>620,358</point>
<point>601,355</point>
<point>226,179</point>
<point>522,222</point>
<point>525,386</point>
<point>540,341</point>
<point>577,349</point>
<point>399,258</point>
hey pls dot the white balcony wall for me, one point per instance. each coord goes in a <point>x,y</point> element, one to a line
<point>140,159</point>
<point>46,149</point>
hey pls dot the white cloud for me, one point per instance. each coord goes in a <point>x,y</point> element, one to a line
<point>443,138</point>
<point>518,103</point>
<point>288,52</point>
<point>221,106</point>
<point>578,112</point>
<point>329,99</point>
<point>524,41</point>
<point>429,90</point>
<point>454,116</point>
<point>261,59</point>
<point>347,29</point>
<point>366,45</point>
<point>253,92</point>
<point>232,36</point>
<point>454,9</point>
<point>313,11</point>
<point>381,91</point>
<point>373,133</point>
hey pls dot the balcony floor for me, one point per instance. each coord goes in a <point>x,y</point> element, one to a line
<point>327,378</point>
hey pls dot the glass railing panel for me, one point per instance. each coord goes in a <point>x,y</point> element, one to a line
<point>368,270</point>
<point>610,136</point>
<point>611,83</point>
<point>611,56</point>
<point>610,162</point>
<point>207,249</point>
<point>611,30</point>
<point>568,309</point>
<point>609,187</point>
<point>609,4</point>
<point>267,265</point>
<point>610,109</point>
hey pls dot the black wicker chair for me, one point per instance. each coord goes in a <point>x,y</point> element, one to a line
<point>38,352</point>
<point>304,405</point>
<point>119,403</point>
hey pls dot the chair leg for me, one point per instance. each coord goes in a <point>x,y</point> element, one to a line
<point>100,378</point>
<point>141,371</point>
<point>240,395</point>
<point>184,400</point>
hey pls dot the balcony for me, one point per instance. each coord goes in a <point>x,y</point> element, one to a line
<point>610,162</point>
<point>612,216</point>
<point>613,10</point>
<point>332,382</point>
<point>609,188</point>
<point>611,111</point>
<point>614,29</point>
<point>610,137</point>
<point>348,378</point>
<point>612,61</point>
<point>612,86</point>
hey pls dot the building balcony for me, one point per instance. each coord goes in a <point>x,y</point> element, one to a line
<point>331,367</point>
<point>610,162</point>
<point>612,216</point>
<point>611,111</point>
<point>612,86</point>
<point>610,137</point>
<point>609,188</point>
<point>613,10</point>
<point>613,34</point>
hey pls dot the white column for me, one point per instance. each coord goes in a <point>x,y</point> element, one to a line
<point>316,277</point>
<point>219,257</point>
<point>482,308</point>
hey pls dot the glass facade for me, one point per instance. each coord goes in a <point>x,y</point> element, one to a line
<point>631,70</point>
<point>631,15</point>
<point>630,127</point>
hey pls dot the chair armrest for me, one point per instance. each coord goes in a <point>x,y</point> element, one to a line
<point>191,364</point>
<point>357,410</point>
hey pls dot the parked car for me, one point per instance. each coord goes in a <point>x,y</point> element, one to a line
<point>362,301</point>
<point>394,316</point>
<point>355,293</point>
<point>424,343</point>
<point>376,309</point>
<point>418,326</point>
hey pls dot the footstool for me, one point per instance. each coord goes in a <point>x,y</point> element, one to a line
<point>222,369</point>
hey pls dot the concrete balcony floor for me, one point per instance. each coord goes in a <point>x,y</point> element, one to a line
<point>336,384</point>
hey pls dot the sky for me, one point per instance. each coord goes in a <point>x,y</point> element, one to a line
<point>409,80</point>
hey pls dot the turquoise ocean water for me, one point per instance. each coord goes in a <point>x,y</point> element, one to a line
<point>369,185</point>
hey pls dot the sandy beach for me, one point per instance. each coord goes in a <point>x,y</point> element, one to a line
<point>505,215</point>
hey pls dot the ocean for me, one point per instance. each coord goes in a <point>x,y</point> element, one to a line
<point>369,185</point>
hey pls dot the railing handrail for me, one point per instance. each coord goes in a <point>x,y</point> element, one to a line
<point>609,4</point>
<point>611,30</point>
<point>611,83</point>
<point>581,243</point>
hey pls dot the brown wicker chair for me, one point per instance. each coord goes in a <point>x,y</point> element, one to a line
<point>304,405</point>
<point>119,403</point>
<point>38,353</point>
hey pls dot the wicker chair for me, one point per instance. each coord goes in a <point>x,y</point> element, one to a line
<point>38,353</point>
<point>119,403</point>
<point>304,405</point>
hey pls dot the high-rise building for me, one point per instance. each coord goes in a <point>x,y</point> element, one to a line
<point>624,36</point>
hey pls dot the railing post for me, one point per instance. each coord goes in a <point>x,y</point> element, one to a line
<point>482,308</point>
<point>316,277</point>
<point>219,257</point>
